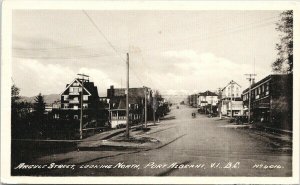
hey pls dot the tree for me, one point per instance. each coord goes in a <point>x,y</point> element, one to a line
<point>39,106</point>
<point>284,62</point>
<point>15,91</point>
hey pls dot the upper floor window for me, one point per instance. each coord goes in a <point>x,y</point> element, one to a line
<point>85,97</point>
<point>75,89</point>
<point>66,97</point>
<point>259,89</point>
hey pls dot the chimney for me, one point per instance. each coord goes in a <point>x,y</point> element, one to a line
<point>111,92</point>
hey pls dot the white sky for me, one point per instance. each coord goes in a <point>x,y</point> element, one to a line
<point>176,52</point>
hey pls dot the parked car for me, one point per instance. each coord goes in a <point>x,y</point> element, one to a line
<point>241,119</point>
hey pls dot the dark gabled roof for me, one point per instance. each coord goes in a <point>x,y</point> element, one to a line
<point>207,93</point>
<point>120,101</point>
<point>91,88</point>
<point>133,92</point>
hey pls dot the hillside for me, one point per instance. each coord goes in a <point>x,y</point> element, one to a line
<point>49,99</point>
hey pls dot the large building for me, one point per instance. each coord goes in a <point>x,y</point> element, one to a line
<point>271,101</point>
<point>231,103</point>
<point>71,97</point>
<point>117,105</point>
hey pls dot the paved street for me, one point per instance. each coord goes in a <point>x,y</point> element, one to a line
<point>199,146</point>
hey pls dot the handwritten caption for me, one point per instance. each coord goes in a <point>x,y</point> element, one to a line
<point>150,165</point>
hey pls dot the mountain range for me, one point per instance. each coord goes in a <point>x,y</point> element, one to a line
<point>49,99</point>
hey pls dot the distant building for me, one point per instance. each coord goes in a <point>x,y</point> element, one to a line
<point>271,101</point>
<point>207,102</point>
<point>193,100</point>
<point>231,101</point>
<point>117,105</point>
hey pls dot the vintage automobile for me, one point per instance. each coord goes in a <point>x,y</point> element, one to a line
<point>241,119</point>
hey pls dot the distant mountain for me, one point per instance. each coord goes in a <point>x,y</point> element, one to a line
<point>49,99</point>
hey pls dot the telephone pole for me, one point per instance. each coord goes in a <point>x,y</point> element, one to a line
<point>220,103</point>
<point>251,79</point>
<point>146,92</point>
<point>231,87</point>
<point>153,106</point>
<point>81,103</point>
<point>127,98</point>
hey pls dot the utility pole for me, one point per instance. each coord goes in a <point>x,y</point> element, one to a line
<point>146,92</point>
<point>211,101</point>
<point>220,103</point>
<point>231,87</point>
<point>127,98</point>
<point>81,103</point>
<point>206,102</point>
<point>153,106</point>
<point>250,78</point>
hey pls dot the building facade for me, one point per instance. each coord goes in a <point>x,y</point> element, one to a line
<point>231,103</point>
<point>71,97</point>
<point>207,102</point>
<point>117,105</point>
<point>271,101</point>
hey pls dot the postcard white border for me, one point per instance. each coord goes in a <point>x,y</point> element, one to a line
<point>6,72</point>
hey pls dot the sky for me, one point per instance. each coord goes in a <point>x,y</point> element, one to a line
<point>175,52</point>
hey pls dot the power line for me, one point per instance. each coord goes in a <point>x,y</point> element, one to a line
<point>110,44</point>
<point>98,29</point>
<point>63,58</point>
<point>84,45</point>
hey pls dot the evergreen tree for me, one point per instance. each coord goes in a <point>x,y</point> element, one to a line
<point>284,62</point>
<point>39,106</point>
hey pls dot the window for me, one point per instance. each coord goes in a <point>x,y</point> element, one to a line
<point>75,89</point>
<point>75,107</point>
<point>267,86</point>
<point>66,97</point>
<point>85,105</point>
<point>71,89</point>
<point>75,99</point>
<point>259,89</point>
<point>85,97</point>
<point>66,105</point>
<point>263,88</point>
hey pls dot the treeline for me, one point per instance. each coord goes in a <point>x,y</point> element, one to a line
<point>30,120</point>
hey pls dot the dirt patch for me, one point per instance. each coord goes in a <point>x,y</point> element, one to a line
<point>133,139</point>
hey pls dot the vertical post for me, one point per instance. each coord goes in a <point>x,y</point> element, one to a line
<point>211,101</point>
<point>251,78</point>
<point>81,109</point>
<point>231,86</point>
<point>153,107</point>
<point>249,109</point>
<point>220,104</point>
<point>145,107</point>
<point>127,98</point>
